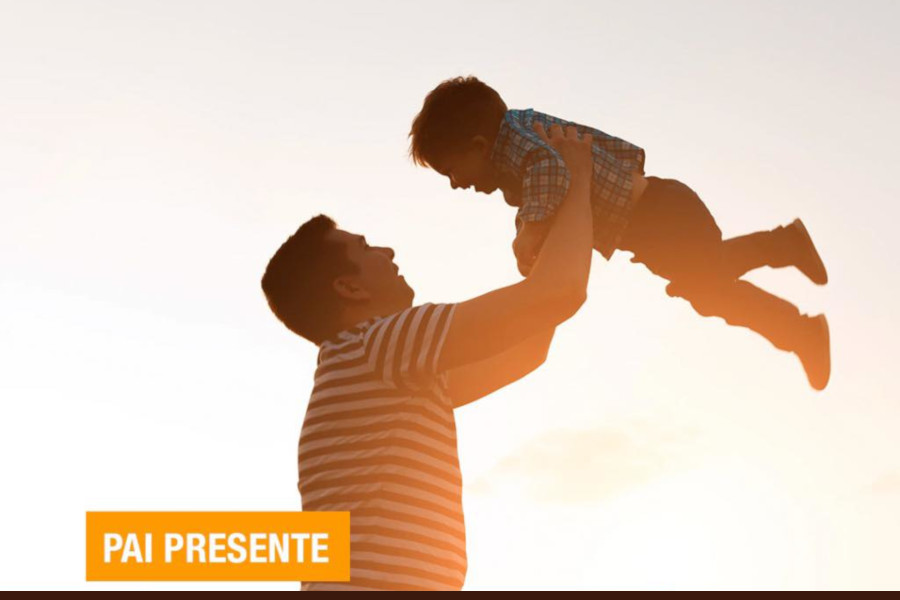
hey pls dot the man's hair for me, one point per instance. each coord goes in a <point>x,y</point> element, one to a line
<point>299,277</point>
<point>453,113</point>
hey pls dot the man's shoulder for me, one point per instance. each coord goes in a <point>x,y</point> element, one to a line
<point>362,336</point>
<point>395,356</point>
<point>413,314</point>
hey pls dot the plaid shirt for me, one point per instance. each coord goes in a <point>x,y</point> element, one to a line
<point>519,154</point>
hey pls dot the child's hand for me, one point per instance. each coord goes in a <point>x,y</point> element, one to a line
<point>528,243</point>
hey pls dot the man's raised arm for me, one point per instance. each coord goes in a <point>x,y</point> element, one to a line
<point>555,288</point>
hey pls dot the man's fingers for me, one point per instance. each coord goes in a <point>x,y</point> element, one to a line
<point>557,135</point>
<point>539,129</point>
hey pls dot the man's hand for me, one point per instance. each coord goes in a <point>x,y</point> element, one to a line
<point>578,161</point>
<point>554,290</point>
<point>528,243</point>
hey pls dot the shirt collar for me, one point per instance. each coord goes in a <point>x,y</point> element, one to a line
<point>346,335</point>
<point>500,153</point>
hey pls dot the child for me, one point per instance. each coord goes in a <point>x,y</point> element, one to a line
<point>466,133</point>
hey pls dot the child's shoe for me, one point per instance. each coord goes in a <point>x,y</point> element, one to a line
<point>808,260</point>
<point>814,351</point>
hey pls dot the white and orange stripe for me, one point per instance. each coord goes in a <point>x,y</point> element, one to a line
<point>379,440</point>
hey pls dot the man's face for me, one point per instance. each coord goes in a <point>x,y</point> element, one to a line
<point>470,168</point>
<point>378,279</point>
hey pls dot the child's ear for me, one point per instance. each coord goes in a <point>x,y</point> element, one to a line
<point>347,288</point>
<point>480,143</point>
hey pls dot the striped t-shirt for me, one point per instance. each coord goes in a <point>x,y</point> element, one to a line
<point>379,440</point>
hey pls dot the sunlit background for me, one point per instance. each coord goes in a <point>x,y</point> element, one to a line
<point>153,155</point>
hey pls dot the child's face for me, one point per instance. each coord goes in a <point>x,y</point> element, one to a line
<point>470,168</point>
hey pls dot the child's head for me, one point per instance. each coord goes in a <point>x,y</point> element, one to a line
<point>455,130</point>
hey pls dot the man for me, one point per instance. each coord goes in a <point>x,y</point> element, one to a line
<point>379,438</point>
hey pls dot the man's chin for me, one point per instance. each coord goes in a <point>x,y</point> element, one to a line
<point>408,292</point>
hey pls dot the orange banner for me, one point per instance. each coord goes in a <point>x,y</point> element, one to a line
<point>218,546</point>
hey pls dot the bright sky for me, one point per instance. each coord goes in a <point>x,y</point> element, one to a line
<point>153,155</point>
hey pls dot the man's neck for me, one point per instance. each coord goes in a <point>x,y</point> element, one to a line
<point>355,315</point>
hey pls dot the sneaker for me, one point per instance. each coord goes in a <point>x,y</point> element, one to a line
<point>808,261</point>
<point>815,353</point>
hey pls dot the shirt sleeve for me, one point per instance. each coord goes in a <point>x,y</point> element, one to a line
<point>406,346</point>
<point>544,185</point>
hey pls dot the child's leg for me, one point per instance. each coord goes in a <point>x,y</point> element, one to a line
<point>674,234</point>
<point>762,248</point>
<point>742,304</point>
<point>676,237</point>
<point>671,231</point>
<point>780,247</point>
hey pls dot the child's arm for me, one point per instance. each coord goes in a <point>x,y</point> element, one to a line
<point>544,185</point>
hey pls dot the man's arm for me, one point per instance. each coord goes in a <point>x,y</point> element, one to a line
<point>555,288</point>
<point>528,242</point>
<point>473,381</point>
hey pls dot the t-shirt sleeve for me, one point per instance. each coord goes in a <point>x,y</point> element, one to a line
<point>407,345</point>
<point>544,186</point>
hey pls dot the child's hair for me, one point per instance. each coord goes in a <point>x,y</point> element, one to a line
<point>298,281</point>
<point>453,113</point>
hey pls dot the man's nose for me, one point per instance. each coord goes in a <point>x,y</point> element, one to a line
<point>389,252</point>
<point>453,184</point>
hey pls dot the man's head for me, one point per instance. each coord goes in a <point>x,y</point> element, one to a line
<point>454,133</point>
<point>323,280</point>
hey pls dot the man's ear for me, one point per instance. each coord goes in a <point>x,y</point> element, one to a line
<point>348,288</point>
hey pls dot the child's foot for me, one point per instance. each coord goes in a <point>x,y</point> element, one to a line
<point>808,260</point>
<point>814,351</point>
